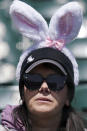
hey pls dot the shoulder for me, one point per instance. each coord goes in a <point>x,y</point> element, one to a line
<point>6,114</point>
<point>7,119</point>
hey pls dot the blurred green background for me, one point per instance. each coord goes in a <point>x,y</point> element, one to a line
<point>12,45</point>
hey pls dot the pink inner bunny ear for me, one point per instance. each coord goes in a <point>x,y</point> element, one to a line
<point>66,22</point>
<point>25,21</point>
<point>28,21</point>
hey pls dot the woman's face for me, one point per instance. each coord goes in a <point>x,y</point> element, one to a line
<point>45,101</point>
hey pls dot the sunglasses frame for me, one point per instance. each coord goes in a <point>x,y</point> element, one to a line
<point>52,85</point>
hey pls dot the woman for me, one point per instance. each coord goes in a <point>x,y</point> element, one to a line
<point>47,71</point>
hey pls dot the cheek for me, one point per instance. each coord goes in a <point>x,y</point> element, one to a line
<point>60,98</point>
<point>29,97</point>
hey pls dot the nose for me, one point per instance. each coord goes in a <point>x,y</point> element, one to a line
<point>44,88</point>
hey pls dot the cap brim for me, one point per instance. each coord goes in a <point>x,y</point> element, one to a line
<point>46,61</point>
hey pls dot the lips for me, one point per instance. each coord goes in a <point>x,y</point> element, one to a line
<point>44,99</point>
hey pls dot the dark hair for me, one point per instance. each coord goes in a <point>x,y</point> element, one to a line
<point>70,120</point>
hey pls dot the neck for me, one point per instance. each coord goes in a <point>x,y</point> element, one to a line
<point>46,124</point>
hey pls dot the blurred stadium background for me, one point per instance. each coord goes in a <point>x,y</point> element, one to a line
<point>12,45</point>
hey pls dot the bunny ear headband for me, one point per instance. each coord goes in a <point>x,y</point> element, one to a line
<point>63,28</point>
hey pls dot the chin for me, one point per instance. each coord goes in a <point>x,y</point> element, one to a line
<point>42,110</point>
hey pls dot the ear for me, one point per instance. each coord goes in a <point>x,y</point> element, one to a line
<point>28,21</point>
<point>66,22</point>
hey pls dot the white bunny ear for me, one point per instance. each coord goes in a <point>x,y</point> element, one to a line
<point>66,22</point>
<point>28,21</point>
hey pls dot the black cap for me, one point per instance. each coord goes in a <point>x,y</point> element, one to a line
<point>48,55</point>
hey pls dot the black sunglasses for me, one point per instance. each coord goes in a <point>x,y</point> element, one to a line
<point>55,82</point>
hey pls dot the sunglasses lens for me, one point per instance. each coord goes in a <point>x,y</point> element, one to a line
<point>56,82</point>
<point>32,81</point>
